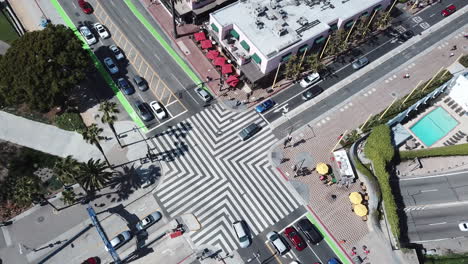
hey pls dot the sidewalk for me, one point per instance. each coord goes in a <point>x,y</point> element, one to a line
<point>30,13</point>
<point>321,134</point>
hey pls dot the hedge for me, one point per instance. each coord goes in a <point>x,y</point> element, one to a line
<point>464,61</point>
<point>70,121</point>
<point>454,150</point>
<point>380,150</point>
<point>365,171</point>
<point>447,259</point>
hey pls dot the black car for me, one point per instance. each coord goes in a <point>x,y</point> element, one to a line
<point>249,131</point>
<point>125,86</point>
<point>406,35</point>
<point>309,230</point>
<point>311,93</point>
<point>143,111</point>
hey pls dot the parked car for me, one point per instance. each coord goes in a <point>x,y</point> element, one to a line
<point>359,63</point>
<point>310,79</point>
<point>276,240</point>
<point>463,226</point>
<point>88,35</point>
<point>148,221</point>
<point>101,30</point>
<point>117,52</point>
<point>85,6</point>
<point>333,261</point>
<point>449,10</point>
<point>158,110</point>
<point>143,111</point>
<point>125,87</point>
<point>406,35</point>
<point>295,238</point>
<point>249,131</point>
<point>113,69</point>
<point>140,83</point>
<point>120,240</point>
<point>242,233</point>
<point>309,231</point>
<point>204,95</point>
<point>93,260</point>
<point>265,106</point>
<point>311,93</point>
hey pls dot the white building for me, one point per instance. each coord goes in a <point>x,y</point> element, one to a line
<point>260,34</point>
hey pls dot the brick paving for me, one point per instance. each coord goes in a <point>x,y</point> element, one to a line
<point>321,135</point>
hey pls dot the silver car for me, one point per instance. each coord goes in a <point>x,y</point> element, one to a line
<point>204,95</point>
<point>120,239</point>
<point>149,220</point>
<point>113,69</point>
<point>359,63</point>
<point>117,52</point>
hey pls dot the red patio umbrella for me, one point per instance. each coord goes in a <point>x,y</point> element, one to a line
<point>232,78</point>
<point>199,36</point>
<point>226,68</point>
<point>219,61</point>
<point>212,54</point>
<point>206,44</point>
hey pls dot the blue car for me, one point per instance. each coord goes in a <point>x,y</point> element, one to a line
<point>265,106</point>
<point>333,261</point>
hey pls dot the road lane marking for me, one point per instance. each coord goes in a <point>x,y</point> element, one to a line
<point>432,176</point>
<point>273,252</point>
<point>431,190</point>
<point>441,223</point>
<point>146,72</point>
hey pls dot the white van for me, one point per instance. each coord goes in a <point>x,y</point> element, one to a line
<point>241,233</point>
<point>278,242</point>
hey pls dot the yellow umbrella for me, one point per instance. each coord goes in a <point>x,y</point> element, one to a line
<point>322,168</point>
<point>360,210</point>
<point>355,197</point>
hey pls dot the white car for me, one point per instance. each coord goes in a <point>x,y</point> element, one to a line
<point>111,65</point>
<point>310,79</point>
<point>463,226</point>
<point>101,30</point>
<point>278,243</point>
<point>149,220</point>
<point>90,39</point>
<point>120,239</point>
<point>158,110</point>
<point>117,52</point>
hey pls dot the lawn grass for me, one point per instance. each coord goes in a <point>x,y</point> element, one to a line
<point>7,32</point>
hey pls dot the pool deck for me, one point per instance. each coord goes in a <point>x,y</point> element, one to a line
<point>443,101</point>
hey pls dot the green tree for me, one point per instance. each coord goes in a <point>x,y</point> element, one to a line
<point>67,170</point>
<point>292,68</point>
<point>94,175</point>
<point>27,190</point>
<point>42,67</point>
<point>92,135</point>
<point>68,197</point>
<point>109,109</point>
<point>382,21</point>
<point>314,64</point>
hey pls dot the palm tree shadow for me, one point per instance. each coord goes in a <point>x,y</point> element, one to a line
<point>127,179</point>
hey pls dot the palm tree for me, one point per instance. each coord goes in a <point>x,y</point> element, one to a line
<point>68,197</point>
<point>93,175</point>
<point>108,110</point>
<point>67,170</point>
<point>92,135</point>
<point>26,190</point>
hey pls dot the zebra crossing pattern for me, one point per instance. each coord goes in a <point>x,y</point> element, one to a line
<point>221,179</point>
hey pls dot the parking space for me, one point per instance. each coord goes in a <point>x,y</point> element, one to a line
<point>136,64</point>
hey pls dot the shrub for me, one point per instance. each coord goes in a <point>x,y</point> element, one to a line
<point>454,150</point>
<point>379,144</point>
<point>464,61</point>
<point>70,121</point>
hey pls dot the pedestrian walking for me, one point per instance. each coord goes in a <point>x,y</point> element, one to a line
<point>406,76</point>
<point>366,251</point>
<point>333,197</point>
<point>454,47</point>
<point>353,251</point>
<point>342,241</point>
<point>451,54</point>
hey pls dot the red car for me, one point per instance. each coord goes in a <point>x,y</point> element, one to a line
<point>449,10</point>
<point>295,238</point>
<point>93,260</point>
<point>85,6</point>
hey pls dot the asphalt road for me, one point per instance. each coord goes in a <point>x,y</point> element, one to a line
<point>380,45</point>
<point>261,251</point>
<point>435,223</point>
<point>445,188</point>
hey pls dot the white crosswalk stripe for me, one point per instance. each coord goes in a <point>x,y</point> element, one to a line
<point>221,179</point>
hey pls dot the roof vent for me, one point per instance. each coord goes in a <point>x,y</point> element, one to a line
<point>260,10</point>
<point>302,21</point>
<point>271,16</point>
<point>280,29</point>
<point>259,23</point>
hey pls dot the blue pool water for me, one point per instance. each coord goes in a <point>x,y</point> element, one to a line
<point>434,126</point>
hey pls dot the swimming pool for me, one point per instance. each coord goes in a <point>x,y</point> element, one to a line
<point>434,126</point>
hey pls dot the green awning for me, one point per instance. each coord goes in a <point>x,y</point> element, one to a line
<point>286,57</point>
<point>256,58</point>
<point>303,48</point>
<point>320,40</point>
<point>378,7</point>
<point>334,27</point>
<point>364,14</point>
<point>234,33</point>
<point>245,45</point>
<point>214,27</point>
<point>349,24</point>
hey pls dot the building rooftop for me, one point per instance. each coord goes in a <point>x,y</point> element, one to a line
<point>274,25</point>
